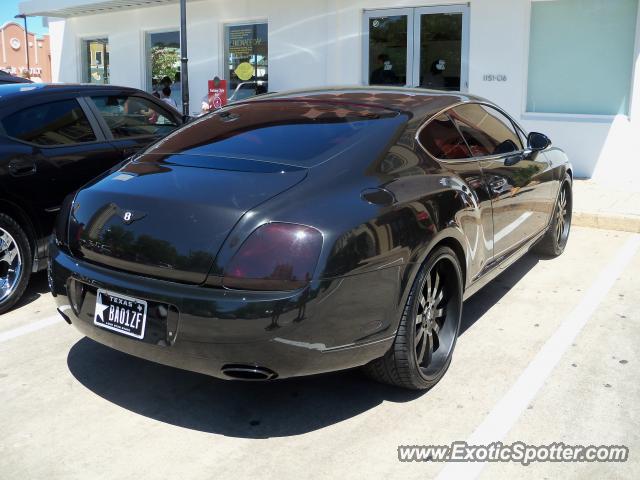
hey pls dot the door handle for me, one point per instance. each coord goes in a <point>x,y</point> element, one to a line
<point>21,168</point>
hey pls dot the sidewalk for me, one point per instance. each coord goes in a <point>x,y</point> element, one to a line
<point>599,205</point>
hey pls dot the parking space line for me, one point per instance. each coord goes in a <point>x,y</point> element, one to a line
<point>507,411</point>
<point>30,327</point>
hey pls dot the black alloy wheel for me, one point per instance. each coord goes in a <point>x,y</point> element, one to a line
<point>429,327</point>
<point>555,239</point>
<point>563,216</point>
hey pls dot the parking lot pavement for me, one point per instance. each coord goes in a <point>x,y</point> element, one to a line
<point>560,335</point>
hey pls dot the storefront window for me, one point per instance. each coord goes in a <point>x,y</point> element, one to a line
<point>163,65</point>
<point>247,60</point>
<point>96,61</point>
<point>581,56</point>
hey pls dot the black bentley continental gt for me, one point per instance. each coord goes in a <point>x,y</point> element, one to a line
<point>308,232</point>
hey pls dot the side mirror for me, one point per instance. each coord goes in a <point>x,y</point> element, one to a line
<point>186,119</point>
<point>538,141</point>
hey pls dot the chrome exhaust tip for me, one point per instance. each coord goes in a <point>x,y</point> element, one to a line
<point>250,373</point>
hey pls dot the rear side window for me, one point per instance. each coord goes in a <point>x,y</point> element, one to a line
<point>442,140</point>
<point>486,130</point>
<point>130,116</point>
<point>50,124</point>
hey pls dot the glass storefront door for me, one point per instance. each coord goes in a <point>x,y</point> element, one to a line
<point>388,48</point>
<point>418,47</point>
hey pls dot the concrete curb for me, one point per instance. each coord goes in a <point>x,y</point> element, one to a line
<point>607,221</point>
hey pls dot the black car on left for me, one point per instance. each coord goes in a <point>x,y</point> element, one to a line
<point>53,140</point>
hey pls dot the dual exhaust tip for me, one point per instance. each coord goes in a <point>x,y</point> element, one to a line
<point>250,373</point>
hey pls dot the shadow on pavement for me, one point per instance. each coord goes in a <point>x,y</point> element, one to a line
<point>37,287</point>
<point>481,302</point>
<point>251,410</point>
<point>235,409</point>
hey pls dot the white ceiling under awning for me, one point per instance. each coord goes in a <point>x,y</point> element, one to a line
<point>77,8</point>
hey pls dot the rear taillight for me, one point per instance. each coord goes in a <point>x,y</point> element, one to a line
<point>276,256</point>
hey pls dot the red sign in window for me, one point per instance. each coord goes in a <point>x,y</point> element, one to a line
<point>217,94</point>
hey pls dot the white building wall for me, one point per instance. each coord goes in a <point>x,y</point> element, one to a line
<point>319,42</point>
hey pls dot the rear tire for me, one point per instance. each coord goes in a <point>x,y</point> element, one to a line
<point>16,261</point>
<point>428,330</point>
<point>556,237</point>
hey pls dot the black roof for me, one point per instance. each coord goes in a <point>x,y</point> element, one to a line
<point>28,89</point>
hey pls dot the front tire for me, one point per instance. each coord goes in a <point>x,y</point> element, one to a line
<point>555,239</point>
<point>15,262</point>
<point>428,330</point>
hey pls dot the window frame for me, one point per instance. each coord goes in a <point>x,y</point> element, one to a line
<point>146,49</point>
<point>593,118</point>
<point>409,12</point>
<point>516,127</point>
<point>93,124</point>
<point>465,10</point>
<point>224,50</point>
<point>104,126</point>
<point>81,52</point>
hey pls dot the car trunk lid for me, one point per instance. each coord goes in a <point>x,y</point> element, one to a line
<point>167,216</point>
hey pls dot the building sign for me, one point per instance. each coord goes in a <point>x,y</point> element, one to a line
<point>494,78</point>
<point>217,94</point>
<point>19,71</point>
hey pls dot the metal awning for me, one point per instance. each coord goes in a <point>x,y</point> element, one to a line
<point>78,8</point>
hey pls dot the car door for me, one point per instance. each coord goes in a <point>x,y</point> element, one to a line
<point>442,140</point>
<point>133,122</point>
<point>518,181</point>
<point>51,148</point>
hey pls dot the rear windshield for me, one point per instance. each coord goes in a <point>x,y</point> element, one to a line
<point>295,133</point>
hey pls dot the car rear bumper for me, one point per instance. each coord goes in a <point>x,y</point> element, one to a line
<point>206,329</point>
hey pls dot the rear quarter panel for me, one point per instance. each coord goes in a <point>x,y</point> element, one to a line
<point>371,252</point>
<point>559,167</point>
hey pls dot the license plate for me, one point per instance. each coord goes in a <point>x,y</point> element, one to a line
<point>120,313</point>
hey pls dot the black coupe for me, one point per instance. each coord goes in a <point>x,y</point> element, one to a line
<point>308,232</point>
